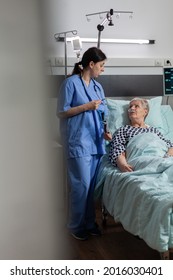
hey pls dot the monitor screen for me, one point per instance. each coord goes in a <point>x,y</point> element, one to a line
<point>168,80</point>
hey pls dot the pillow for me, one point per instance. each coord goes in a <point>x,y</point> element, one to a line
<point>118,115</point>
<point>167,119</point>
<point>154,117</point>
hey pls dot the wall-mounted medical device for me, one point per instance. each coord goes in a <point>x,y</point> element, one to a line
<point>76,45</point>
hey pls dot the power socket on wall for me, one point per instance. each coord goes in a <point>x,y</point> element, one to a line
<point>56,61</point>
<point>158,62</point>
<point>59,61</point>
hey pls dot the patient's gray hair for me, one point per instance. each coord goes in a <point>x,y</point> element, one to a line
<point>143,101</point>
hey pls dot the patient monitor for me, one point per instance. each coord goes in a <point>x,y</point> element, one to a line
<point>168,80</point>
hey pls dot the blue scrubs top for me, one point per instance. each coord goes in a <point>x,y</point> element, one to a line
<point>82,134</point>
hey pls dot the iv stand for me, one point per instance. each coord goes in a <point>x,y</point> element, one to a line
<point>108,17</point>
<point>100,29</point>
<point>62,37</point>
<point>100,26</point>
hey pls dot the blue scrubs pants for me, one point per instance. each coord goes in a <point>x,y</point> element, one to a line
<point>82,175</point>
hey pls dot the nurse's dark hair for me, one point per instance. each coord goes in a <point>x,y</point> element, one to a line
<point>92,54</point>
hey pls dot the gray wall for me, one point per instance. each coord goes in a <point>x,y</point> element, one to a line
<point>31,199</point>
<point>120,85</point>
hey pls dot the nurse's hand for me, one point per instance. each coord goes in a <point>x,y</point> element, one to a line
<point>93,105</point>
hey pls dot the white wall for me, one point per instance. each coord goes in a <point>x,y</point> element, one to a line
<point>151,20</point>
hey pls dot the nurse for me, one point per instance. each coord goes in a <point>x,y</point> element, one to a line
<point>82,110</point>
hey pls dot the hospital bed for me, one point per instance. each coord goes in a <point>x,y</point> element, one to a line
<point>142,201</point>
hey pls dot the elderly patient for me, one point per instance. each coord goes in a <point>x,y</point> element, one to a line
<point>137,112</point>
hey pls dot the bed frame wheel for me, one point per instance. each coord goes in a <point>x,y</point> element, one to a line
<point>165,255</point>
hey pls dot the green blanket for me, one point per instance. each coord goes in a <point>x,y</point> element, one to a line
<point>141,200</point>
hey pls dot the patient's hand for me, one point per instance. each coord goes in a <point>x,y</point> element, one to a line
<point>108,136</point>
<point>123,165</point>
<point>170,152</point>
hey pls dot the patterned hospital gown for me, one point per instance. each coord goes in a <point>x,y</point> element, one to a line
<point>122,136</point>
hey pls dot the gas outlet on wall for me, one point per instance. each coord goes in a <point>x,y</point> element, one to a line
<point>167,62</point>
